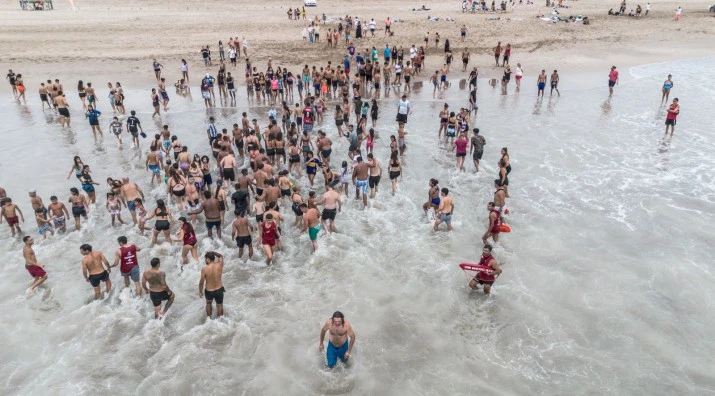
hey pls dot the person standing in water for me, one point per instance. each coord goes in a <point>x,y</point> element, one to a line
<point>36,270</point>
<point>93,269</point>
<point>667,85</point>
<point>612,80</point>
<point>541,84</point>
<point>493,229</point>
<point>126,258</point>
<point>484,278</point>
<point>340,341</point>
<point>9,212</point>
<point>670,119</point>
<point>211,279</point>
<point>445,211</point>
<point>157,288</point>
<point>555,83</point>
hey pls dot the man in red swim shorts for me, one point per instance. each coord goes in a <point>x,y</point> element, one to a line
<point>35,269</point>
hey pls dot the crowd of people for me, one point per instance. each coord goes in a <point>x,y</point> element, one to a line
<point>258,169</point>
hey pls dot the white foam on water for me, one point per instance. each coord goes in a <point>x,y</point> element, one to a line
<point>607,285</point>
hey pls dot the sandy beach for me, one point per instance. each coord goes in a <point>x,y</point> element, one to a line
<point>106,40</point>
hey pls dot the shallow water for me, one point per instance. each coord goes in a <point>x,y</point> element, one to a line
<point>607,285</point>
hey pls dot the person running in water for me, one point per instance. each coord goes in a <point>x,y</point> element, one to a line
<point>36,270</point>
<point>340,341</point>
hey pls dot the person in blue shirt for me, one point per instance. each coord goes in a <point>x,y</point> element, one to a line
<point>386,52</point>
<point>346,64</point>
<point>92,115</point>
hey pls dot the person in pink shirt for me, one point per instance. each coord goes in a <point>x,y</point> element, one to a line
<point>460,144</point>
<point>612,80</point>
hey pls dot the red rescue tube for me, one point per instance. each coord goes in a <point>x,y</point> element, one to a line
<point>504,228</point>
<point>476,268</point>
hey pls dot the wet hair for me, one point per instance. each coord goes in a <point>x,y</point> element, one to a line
<point>497,182</point>
<point>211,256</point>
<point>491,204</point>
<point>139,201</point>
<point>338,315</point>
<point>160,204</point>
<point>488,247</point>
<point>445,190</point>
<point>26,238</point>
<point>73,190</point>
<point>506,151</point>
<point>86,247</point>
<point>269,216</point>
<point>155,262</point>
<point>122,239</point>
<point>434,181</point>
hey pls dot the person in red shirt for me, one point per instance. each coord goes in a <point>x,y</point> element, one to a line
<point>269,232</point>
<point>187,236</point>
<point>673,112</point>
<point>612,80</point>
<point>493,229</point>
<point>486,278</point>
<point>126,258</point>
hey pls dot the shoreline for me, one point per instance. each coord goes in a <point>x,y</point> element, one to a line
<point>103,42</point>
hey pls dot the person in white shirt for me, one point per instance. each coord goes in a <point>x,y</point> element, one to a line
<point>647,8</point>
<point>403,110</point>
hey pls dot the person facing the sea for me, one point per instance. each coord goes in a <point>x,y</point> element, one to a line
<point>93,269</point>
<point>444,212</point>
<point>211,280</point>
<point>126,258</point>
<point>36,270</point>
<point>612,80</point>
<point>157,288</point>
<point>340,341</point>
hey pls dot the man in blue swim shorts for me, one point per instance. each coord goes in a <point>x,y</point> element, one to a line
<point>360,178</point>
<point>311,223</point>
<point>541,82</point>
<point>339,345</point>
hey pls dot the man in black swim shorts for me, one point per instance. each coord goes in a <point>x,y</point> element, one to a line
<point>158,289</point>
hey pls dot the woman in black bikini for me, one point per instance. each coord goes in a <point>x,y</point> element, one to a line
<point>163,218</point>
<point>82,94</point>
<point>177,188</point>
<point>395,170</point>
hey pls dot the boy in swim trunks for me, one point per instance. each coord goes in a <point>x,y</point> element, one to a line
<point>36,270</point>
<point>9,212</point>
<point>311,223</point>
<point>93,269</point>
<point>43,224</point>
<point>360,179</point>
<point>445,210</point>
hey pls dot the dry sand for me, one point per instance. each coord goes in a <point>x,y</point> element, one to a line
<point>105,40</point>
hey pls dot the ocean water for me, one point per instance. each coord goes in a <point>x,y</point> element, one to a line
<point>608,273</point>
